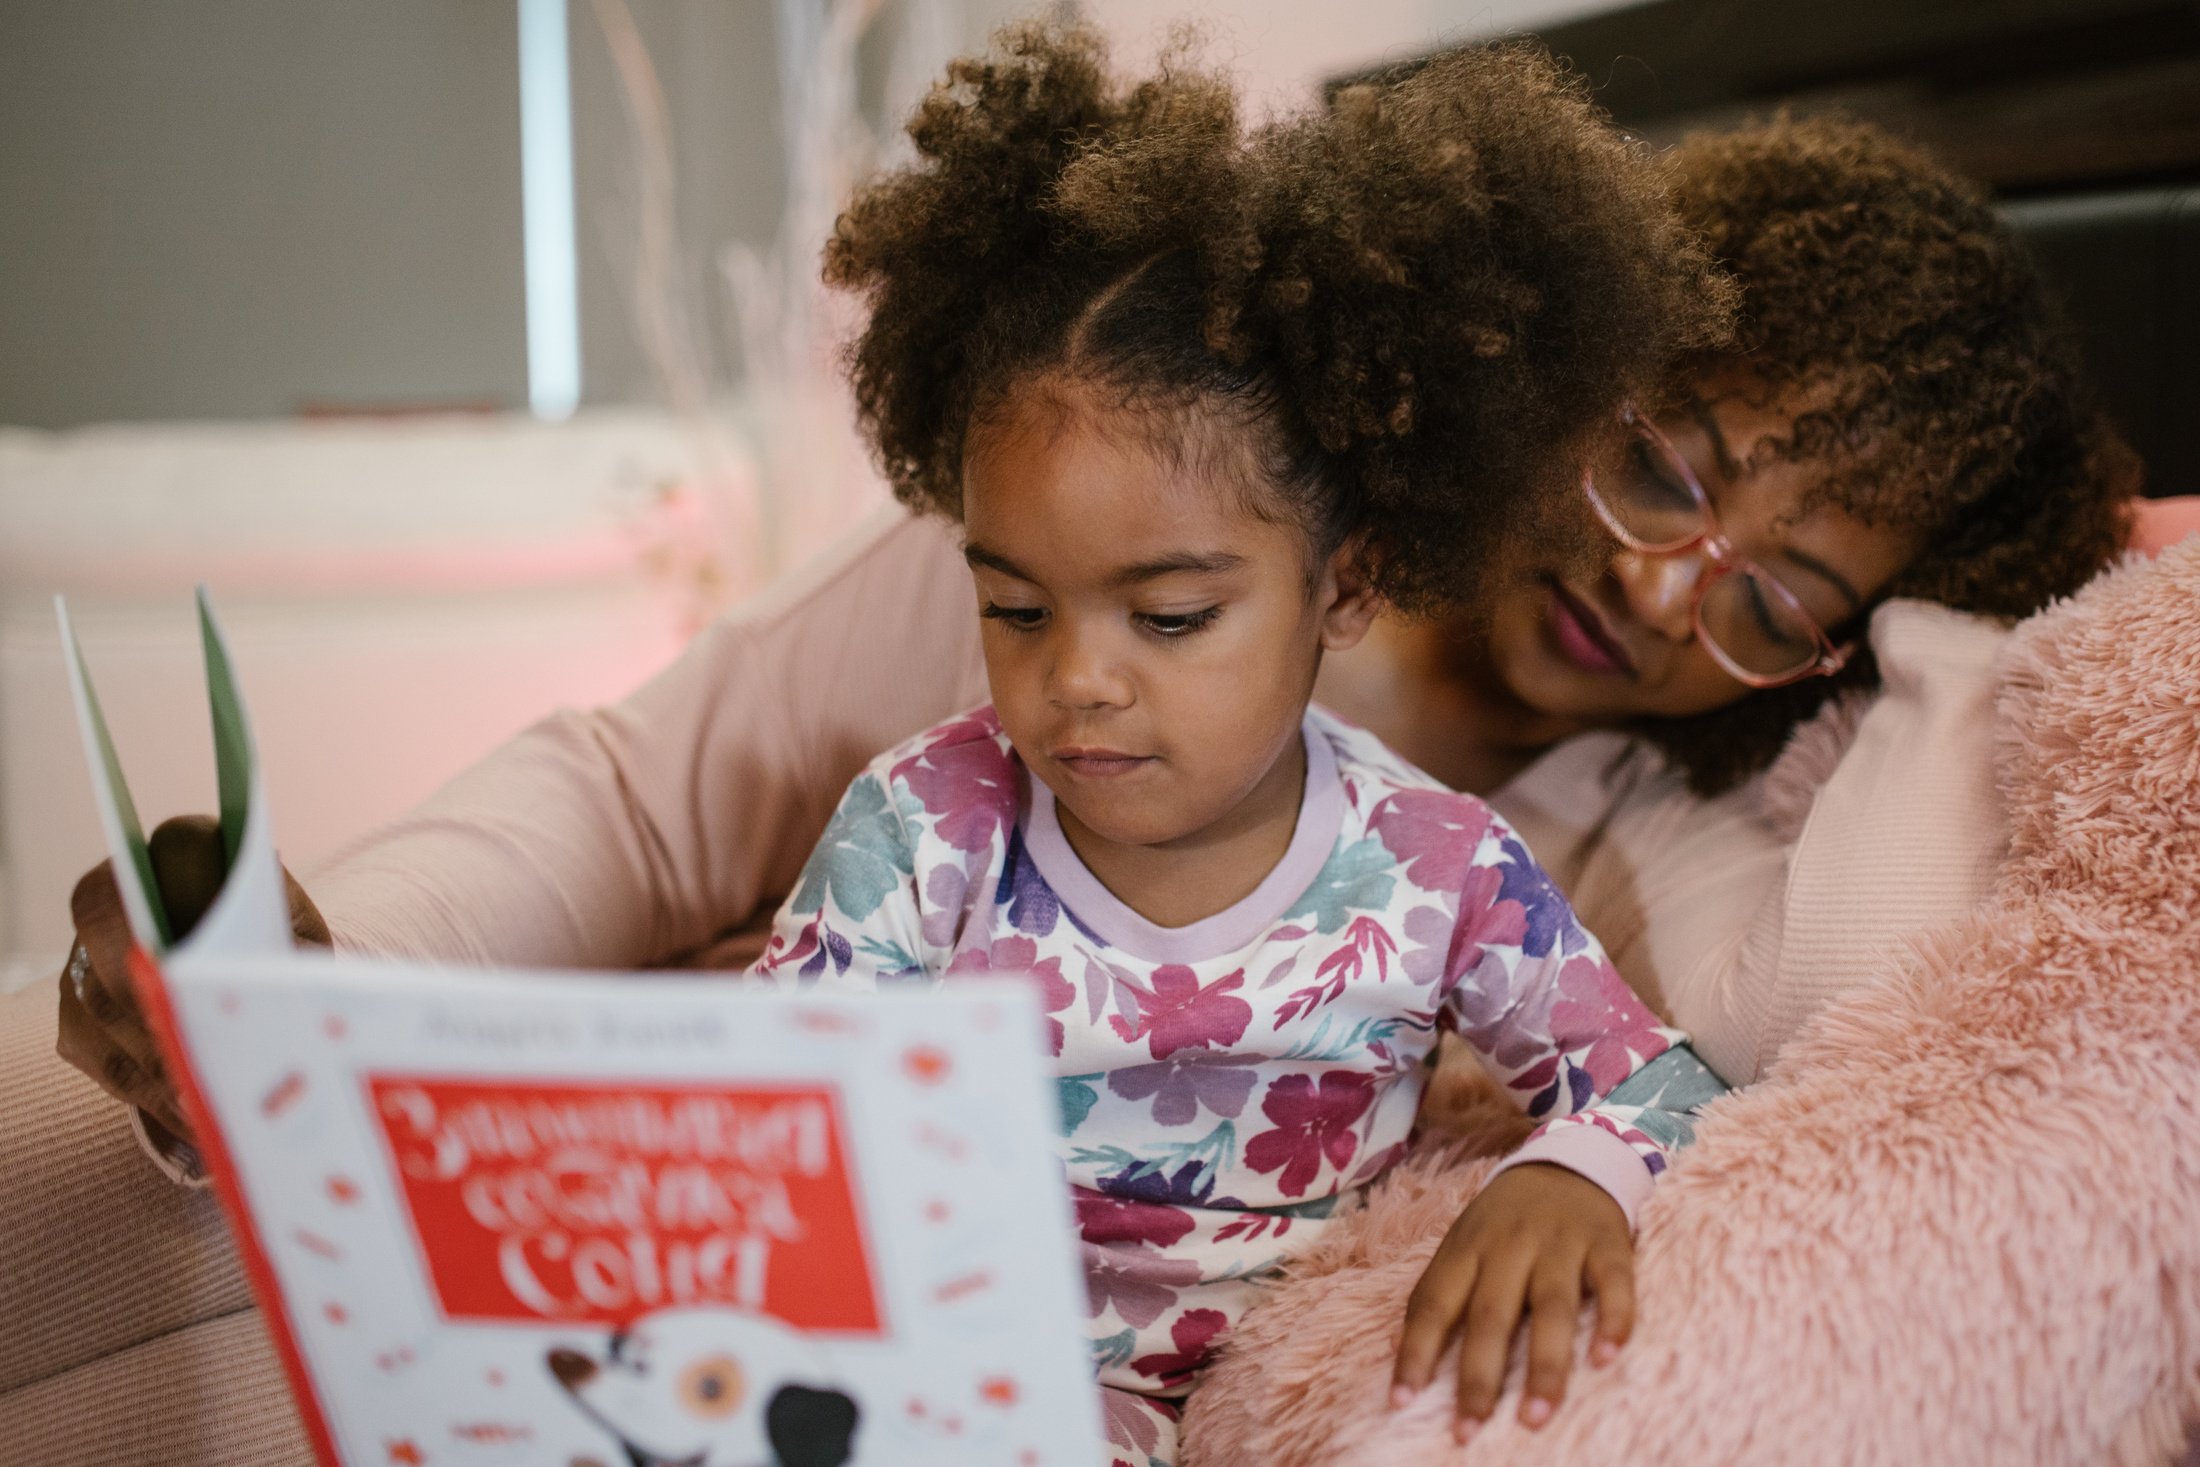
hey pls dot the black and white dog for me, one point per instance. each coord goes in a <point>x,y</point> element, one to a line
<point>708,1386</point>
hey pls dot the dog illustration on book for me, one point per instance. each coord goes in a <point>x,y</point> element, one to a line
<point>710,1386</point>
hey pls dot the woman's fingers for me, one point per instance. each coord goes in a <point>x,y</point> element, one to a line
<point>1432,1311</point>
<point>188,866</point>
<point>134,1078</point>
<point>1493,1314</point>
<point>1554,1314</point>
<point>104,933</point>
<point>1611,1275</point>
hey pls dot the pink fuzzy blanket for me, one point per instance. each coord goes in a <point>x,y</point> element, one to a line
<point>1960,1220</point>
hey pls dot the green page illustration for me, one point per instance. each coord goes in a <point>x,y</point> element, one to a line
<point>232,739</point>
<point>117,811</point>
<point>251,913</point>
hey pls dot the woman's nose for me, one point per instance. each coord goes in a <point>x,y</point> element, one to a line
<point>1661,588</point>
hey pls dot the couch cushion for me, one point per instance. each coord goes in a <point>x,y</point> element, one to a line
<point>209,1395</point>
<point>98,1251</point>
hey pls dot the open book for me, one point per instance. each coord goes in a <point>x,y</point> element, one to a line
<point>557,1219</point>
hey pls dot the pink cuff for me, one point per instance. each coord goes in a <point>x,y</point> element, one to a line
<point>1590,1151</point>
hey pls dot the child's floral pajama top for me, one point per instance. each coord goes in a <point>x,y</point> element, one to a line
<point>1223,1084</point>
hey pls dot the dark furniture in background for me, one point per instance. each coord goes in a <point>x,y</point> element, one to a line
<point>2129,267</point>
<point>2083,115</point>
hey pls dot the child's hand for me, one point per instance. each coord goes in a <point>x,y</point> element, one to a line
<point>1534,1237</point>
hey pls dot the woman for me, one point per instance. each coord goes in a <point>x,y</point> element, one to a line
<point>1903,419</point>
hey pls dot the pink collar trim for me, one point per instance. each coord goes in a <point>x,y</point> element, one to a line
<point>1321,817</point>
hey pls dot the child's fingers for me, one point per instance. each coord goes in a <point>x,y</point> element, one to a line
<point>1493,1313</point>
<point>1611,1275</point>
<point>1431,1312</point>
<point>1554,1312</point>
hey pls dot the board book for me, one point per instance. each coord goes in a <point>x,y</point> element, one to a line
<point>611,1220</point>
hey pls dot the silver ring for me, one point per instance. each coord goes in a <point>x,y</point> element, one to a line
<point>80,968</point>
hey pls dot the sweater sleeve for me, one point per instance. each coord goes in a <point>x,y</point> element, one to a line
<point>636,834</point>
<point>1538,1000</point>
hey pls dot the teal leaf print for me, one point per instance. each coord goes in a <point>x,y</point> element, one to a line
<point>1112,1350</point>
<point>1361,1040</point>
<point>1078,1098</point>
<point>862,856</point>
<point>1358,876</point>
<point>895,962</point>
<point>1672,1091</point>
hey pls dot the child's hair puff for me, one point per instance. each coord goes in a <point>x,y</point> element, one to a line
<point>1426,301</point>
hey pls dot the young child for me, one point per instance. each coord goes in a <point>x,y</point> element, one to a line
<point>1202,404</point>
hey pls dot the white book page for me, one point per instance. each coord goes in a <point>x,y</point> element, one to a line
<point>508,1216</point>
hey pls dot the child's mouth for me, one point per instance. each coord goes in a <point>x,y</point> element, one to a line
<point>1099,763</point>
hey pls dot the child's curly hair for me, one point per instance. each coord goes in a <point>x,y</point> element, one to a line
<point>1422,302</point>
<point>1947,394</point>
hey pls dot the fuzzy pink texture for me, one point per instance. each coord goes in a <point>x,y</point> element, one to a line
<point>1959,1222</point>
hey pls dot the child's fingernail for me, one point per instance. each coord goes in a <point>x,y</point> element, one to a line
<point>1535,1411</point>
<point>1463,1430</point>
<point>1603,1352</point>
<point>1399,1395</point>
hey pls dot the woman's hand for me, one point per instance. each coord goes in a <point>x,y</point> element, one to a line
<point>1534,1237</point>
<point>103,1033</point>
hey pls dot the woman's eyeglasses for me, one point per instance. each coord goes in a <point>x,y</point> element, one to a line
<point>1752,624</point>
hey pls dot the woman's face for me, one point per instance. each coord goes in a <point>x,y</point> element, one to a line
<point>1600,649</point>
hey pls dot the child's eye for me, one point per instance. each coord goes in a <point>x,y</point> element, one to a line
<point>1181,624</point>
<point>1015,618</point>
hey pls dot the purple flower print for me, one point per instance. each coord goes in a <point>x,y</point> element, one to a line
<point>1032,905</point>
<point>1137,1278</point>
<point>1596,1010</point>
<point>1434,832</point>
<point>1190,1185</point>
<point>1312,1122</point>
<point>1194,1335</point>
<point>965,780</point>
<point>1021,955</point>
<point>946,906</point>
<point>1430,931</point>
<point>1550,921</point>
<point>1188,1082</point>
<point>1177,1013</point>
<point>1103,1219</point>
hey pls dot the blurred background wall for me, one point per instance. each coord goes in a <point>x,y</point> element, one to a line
<point>274,312</point>
<point>238,208</point>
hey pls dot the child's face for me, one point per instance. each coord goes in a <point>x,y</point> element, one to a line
<point>1151,642</point>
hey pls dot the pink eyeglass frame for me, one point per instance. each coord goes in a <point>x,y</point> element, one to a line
<point>1725,561</point>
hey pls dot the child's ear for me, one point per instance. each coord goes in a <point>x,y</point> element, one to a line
<point>1346,597</point>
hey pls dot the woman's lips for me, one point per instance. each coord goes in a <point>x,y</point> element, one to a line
<point>1583,637</point>
<point>1099,763</point>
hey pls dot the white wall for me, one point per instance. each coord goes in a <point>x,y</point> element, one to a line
<point>1283,49</point>
<point>229,207</point>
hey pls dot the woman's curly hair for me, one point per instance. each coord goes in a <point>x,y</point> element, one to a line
<point>1422,302</point>
<point>1946,391</point>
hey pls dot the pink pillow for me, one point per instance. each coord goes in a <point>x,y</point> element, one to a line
<point>2157,524</point>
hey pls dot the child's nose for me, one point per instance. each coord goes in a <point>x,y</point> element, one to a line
<point>1661,588</point>
<point>1085,673</point>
